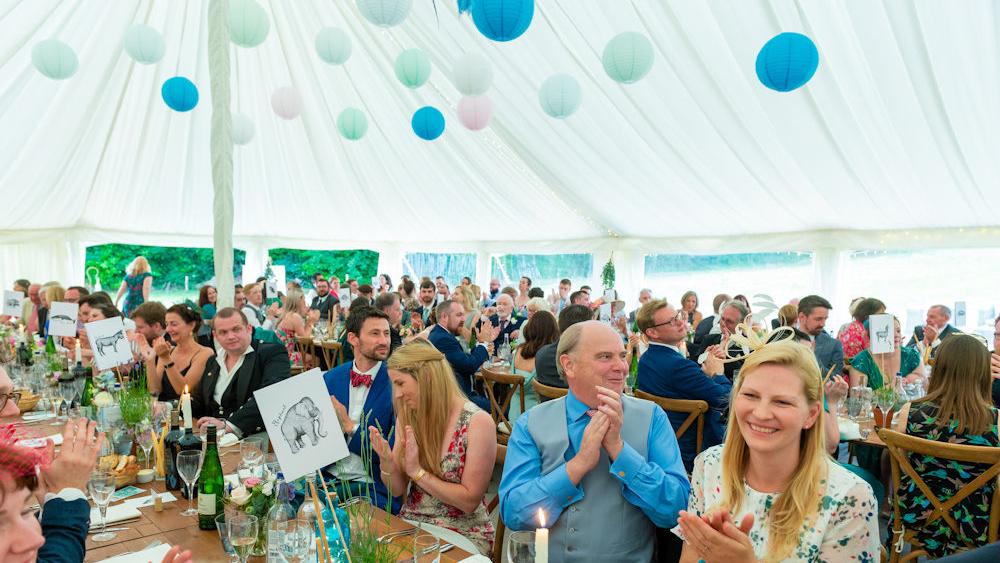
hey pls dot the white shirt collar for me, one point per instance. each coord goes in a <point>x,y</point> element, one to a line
<point>222,353</point>
<point>372,372</point>
<point>671,346</point>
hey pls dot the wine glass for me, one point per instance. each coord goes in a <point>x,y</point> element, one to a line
<point>145,436</point>
<point>296,538</point>
<point>242,529</point>
<point>252,458</point>
<point>189,467</point>
<point>101,486</point>
<point>520,547</point>
<point>55,403</point>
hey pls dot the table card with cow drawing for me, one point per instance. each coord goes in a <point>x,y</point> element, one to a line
<point>883,334</point>
<point>302,424</point>
<point>13,301</point>
<point>62,319</point>
<point>109,343</point>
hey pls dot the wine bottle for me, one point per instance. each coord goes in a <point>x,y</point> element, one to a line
<point>50,346</point>
<point>87,395</point>
<point>210,484</point>
<point>188,441</point>
<point>171,446</point>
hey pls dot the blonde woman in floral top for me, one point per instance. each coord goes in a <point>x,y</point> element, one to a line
<point>771,492</point>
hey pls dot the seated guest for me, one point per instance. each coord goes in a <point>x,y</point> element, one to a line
<point>546,366</point>
<point>580,297</point>
<point>788,315</point>
<point>150,321</point>
<point>541,331</point>
<point>489,299</point>
<point>731,314</point>
<point>346,350</point>
<point>645,295</point>
<point>523,286</point>
<point>709,324</point>
<point>434,416</point>
<point>427,300</point>
<point>325,301</point>
<point>854,336</point>
<point>8,400</point>
<point>172,368</point>
<point>689,305</point>
<point>296,321</point>
<point>935,329</point>
<point>105,310</point>
<point>441,287</point>
<point>464,296</point>
<point>31,309</point>
<point>239,298</point>
<point>594,451</point>
<point>665,372</point>
<point>384,284</point>
<point>254,309</point>
<point>207,299</point>
<point>224,398</point>
<point>877,370</point>
<point>368,292</point>
<point>772,475</point>
<point>388,303</point>
<point>361,394</point>
<point>507,324</point>
<point>813,313</point>
<point>450,317</point>
<point>956,410</point>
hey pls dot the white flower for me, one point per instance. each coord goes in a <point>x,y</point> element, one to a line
<point>268,489</point>
<point>240,496</point>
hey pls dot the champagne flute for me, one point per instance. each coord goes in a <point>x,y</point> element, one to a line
<point>102,486</point>
<point>242,530</point>
<point>145,437</point>
<point>189,467</point>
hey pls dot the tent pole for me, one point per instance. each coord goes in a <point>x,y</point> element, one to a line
<point>222,149</point>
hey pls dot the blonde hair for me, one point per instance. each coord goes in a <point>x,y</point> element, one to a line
<point>294,303</point>
<point>799,503</point>
<point>787,315</point>
<point>138,266</point>
<point>53,294</point>
<point>470,299</point>
<point>438,391</point>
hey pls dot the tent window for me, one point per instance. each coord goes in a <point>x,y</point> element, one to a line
<point>452,266</point>
<point>545,270</point>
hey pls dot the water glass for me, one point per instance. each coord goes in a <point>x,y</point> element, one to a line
<point>220,526</point>
<point>426,547</point>
<point>102,486</point>
<point>189,468</point>
<point>242,531</point>
<point>297,537</point>
<point>854,404</point>
<point>520,547</point>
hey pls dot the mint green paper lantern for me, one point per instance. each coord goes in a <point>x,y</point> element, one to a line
<point>248,23</point>
<point>144,44</point>
<point>333,45</point>
<point>628,57</point>
<point>560,96</point>
<point>413,68</point>
<point>352,123</point>
<point>54,59</point>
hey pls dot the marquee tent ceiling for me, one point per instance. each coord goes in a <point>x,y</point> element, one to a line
<point>898,129</point>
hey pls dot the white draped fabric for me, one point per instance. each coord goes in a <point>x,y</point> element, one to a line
<point>892,144</point>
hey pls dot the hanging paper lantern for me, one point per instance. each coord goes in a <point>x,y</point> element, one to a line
<point>179,93</point>
<point>333,45</point>
<point>352,123</point>
<point>385,13</point>
<point>248,23</point>
<point>475,112</point>
<point>286,102</point>
<point>144,44</point>
<point>243,129</point>
<point>428,123</point>
<point>413,68</point>
<point>628,57</point>
<point>560,95</point>
<point>473,74</point>
<point>787,61</point>
<point>54,59</point>
<point>501,20</point>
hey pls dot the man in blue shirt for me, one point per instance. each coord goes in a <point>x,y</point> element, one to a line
<point>591,454</point>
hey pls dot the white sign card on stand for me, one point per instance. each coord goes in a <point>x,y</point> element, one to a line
<point>13,303</point>
<point>62,319</point>
<point>882,333</point>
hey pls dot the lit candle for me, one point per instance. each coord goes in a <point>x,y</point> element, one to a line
<point>79,356</point>
<point>541,539</point>
<point>186,407</point>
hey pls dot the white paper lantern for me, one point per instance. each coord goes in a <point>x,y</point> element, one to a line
<point>473,74</point>
<point>560,96</point>
<point>54,59</point>
<point>385,13</point>
<point>286,102</point>
<point>333,45</point>
<point>144,44</point>
<point>243,129</point>
<point>475,112</point>
<point>248,23</point>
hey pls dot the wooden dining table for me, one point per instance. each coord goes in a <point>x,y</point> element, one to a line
<point>170,527</point>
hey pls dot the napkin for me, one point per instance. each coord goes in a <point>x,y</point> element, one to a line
<point>148,555</point>
<point>116,513</point>
<point>147,500</point>
<point>476,559</point>
<point>57,439</point>
<point>228,439</point>
<point>849,430</point>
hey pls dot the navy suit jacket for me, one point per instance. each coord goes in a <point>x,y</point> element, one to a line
<point>378,412</point>
<point>65,526</point>
<point>829,352</point>
<point>465,365</point>
<point>666,373</point>
<point>513,325</point>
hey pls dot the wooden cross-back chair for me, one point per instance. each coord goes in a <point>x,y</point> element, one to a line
<point>899,446</point>
<point>306,348</point>
<point>547,391</point>
<point>333,353</point>
<point>514,384</point>
<point>501,529</point>
<point>695,410</point>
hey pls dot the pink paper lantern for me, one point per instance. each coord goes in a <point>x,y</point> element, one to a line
<point>286,102</point>
<point>475,112</point>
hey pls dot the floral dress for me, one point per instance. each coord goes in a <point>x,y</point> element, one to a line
<point>133,292</point>
<point>945,478</point>
<point>424,507</point>
<point>854,337</point>
<point>294,356</point>
<point>845,527</point>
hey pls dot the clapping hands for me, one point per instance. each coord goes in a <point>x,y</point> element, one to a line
<point>716,537</point>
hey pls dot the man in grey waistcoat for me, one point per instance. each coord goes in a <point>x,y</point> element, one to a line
<point>604,468</point>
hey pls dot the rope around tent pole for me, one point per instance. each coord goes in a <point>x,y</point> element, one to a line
<point>221,149</point>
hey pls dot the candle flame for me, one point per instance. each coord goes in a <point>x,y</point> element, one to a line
<point>541,518</point>
<point>185,389</point>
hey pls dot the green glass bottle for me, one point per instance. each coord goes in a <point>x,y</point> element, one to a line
<point>89,390</point>
<point>210,484</point>
<point>50,346</point>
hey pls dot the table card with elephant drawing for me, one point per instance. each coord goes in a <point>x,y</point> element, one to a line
<point>109,342</point>
<point>302,424</point>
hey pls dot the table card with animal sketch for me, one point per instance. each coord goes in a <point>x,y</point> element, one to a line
<point>883,334</point>
<point>13,301</point>
<point>109,343</point>
<point>302,424</point>
<point>62,319</point>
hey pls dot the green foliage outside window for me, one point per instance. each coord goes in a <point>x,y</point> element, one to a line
<point>302,264</point>
<point>169,264</point>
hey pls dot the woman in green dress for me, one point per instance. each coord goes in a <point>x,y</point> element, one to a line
<point>876,370</point>
<point>135,286</point>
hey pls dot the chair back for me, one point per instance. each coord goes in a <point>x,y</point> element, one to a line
<point>695,414</point>
<point>333,353</point>
<point>547,391</point>
<point>500,528</point>
<point>512,383</point>
<point>899,446</point>
<point>306,347</point>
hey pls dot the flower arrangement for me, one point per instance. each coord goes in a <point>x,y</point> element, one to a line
<point>255,497</point>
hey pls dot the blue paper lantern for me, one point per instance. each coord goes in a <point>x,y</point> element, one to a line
<point>502,20</point>
<point>428,123</point>
<point>787,61</point>
<point>179,93</point>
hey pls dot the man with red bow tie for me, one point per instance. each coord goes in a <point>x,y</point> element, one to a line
<point>361,394</point>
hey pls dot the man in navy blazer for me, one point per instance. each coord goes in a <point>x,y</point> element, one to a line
<point>813,312</point>
<point>506,325</point>
<point>361,393</point>
<point>665,372</point>
<point>450,319</point>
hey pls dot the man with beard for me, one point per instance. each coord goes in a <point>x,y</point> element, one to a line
<point>388,303</point>
<point>324,302</point>
<point>450,320</point>
<point>361,393</point>
<point>813,312</point>
<point>490,299</point>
